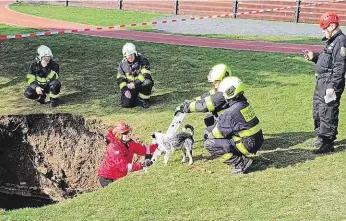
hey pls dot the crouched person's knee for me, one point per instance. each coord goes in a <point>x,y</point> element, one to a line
<point>55,87</point>
<point>209,144</point>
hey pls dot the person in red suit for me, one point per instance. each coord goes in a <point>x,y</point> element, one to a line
<point>119,154</point>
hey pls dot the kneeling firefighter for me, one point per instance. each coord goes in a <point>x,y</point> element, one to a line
<point>237,132</point>
<point>43,78</point>
<point>134,78</point>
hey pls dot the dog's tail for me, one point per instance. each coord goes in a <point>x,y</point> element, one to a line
<point>188,126</point>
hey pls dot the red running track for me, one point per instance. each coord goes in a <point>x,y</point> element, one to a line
<point>10,17</point>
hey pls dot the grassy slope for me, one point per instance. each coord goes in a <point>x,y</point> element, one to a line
<point>91,16</point>
<point>10,30</point>
<point>287,181</point>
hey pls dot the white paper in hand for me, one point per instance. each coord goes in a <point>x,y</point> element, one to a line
<point>330,98</point>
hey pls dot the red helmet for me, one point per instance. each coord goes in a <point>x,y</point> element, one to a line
<point>327,18</point>
<point>120,128</point>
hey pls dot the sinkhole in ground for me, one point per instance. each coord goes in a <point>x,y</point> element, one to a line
<point>48,158</point>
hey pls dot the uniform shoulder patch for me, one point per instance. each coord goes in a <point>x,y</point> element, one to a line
<point>248,113</point>
<point>343,51</point>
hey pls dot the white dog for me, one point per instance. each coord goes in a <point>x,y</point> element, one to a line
<point>169,142</point>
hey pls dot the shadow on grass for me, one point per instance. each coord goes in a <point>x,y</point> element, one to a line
<point>282,155</point>
<point>281,159</point>
<point>286,140</point>
<point>289,157</point>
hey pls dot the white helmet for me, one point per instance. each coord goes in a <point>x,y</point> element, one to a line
<point>218,72</point>
<point>231,87</point>
<point>129,49</point>
<point>43,51</point>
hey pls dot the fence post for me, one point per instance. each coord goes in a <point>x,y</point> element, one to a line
<point>235,8</point>
<point>66,3</point>
<point>176,7</point>
<point>120,4</point>
<point>296,19</point>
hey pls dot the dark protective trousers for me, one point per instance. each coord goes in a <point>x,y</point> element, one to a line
<point>220,147</point>
<point>326,116</point>
<point>105,181</point>
<point>131,102</point>
<point>52,87</point>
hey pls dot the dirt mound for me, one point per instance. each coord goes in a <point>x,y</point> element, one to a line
<point>50,156</point>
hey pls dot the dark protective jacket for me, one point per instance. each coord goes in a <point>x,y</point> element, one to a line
<point>137,72</point>
<point>332,60</point>
<point>240,123</point>
<point>41,76</point>
<point>211,101</point>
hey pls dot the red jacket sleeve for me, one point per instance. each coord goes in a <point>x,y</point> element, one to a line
<point>121,164</point>
<point>141,149</point>
<point>136,166</point>
<point>149,149</point>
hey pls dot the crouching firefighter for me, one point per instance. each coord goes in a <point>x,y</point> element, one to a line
<point>43,78</point>
<point>212,101</point>
<point>119,154</point>
<point>134,78</point>
<point>237,132</point>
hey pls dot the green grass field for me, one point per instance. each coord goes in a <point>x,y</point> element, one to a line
<point>11,30</point>
<point>90,16</point>
<point>287,181</point>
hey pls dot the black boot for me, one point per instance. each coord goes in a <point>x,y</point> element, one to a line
<point>142,102</point>
<point>42,99</point>
<point>53,102</point>
<point>317,143</point>
<point>242,167</point>
<point>325,148</point>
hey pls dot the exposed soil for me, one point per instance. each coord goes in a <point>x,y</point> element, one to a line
<point>49,157</point>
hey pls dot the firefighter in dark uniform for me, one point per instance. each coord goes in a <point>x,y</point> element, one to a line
<point>43,78</point>
<point>134,78</point>
<point>237,132</point>
<point>212,101</point>
<point>330,82</point>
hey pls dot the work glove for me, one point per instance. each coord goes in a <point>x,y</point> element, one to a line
<point>183,108</point>
<point>148,156</point>
<point>147,163</point>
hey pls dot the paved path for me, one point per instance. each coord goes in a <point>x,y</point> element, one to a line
<point>239,27</point>
<point>10,17</point>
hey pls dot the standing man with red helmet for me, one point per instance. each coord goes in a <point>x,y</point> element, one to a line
<point>330,82</point>
<point>119,154</point>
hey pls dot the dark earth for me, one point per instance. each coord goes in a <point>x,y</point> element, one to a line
<point>48,158</point>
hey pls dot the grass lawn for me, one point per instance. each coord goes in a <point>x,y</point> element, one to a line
<point>287,181</point>
<point>90,16</point>
<point>11,30</point>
